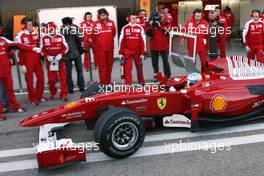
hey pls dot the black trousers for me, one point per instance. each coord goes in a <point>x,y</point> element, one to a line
<point>79,69</point>
<point>155,62</point>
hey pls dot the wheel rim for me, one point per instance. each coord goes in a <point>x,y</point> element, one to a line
<point>124,136</point>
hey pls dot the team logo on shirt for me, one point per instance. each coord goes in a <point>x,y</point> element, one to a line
<point>127,31</point>
<point>46,40</point>
<point>58,40</point>
<point>136,30</point>
<point>252,27</point>
<point>26,41</point>
<point>109,24</point>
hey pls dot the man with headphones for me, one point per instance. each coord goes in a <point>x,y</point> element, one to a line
<point>253,36</point>
<point>132,48</point>
<point>104,31</point>
<point>31,62</point>
<point>199,27</point>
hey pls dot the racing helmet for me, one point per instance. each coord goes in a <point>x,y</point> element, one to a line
<point>193,78</point>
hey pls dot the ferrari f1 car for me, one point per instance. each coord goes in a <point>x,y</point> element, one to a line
<point>232,90</point>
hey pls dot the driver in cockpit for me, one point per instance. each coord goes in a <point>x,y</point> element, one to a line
<point>192,79</point>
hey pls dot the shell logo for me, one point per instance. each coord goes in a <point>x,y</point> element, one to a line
<point>218,103</point>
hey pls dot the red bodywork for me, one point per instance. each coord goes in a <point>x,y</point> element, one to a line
<point>217,95</point>
<point>220,95</point>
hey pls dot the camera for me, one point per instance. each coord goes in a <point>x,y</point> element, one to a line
<point>155,17</point>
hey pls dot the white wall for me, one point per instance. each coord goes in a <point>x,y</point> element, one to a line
<point>78,13</point>
<point>246,6</point>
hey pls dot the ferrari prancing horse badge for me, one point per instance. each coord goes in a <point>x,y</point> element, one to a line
<point>161,102</point>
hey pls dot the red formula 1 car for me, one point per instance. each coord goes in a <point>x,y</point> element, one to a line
<point>233,90</point>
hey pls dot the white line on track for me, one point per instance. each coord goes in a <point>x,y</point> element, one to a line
<point>155,138</point>
<point>146,151</point>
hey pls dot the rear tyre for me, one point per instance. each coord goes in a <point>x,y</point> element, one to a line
<point>120,132</point>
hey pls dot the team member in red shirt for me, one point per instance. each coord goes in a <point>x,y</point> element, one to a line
<point>53,47</point>
<point>230,19</point>
<point>168,16</point>
<point>104,32</point>
<point>142,18</point>
<point>6,73</point>
<point>221,21</point>
<point>31,62</point>
<point>86,28</point>
<point>253,36</point>
<point>197,26</point>
<point>132,48</point>
<point>262,16</point>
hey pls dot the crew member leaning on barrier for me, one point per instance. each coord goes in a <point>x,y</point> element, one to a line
<point>6,73</point>
<point>132,48</point>
<point>253,36</point>
<point>197,26</point>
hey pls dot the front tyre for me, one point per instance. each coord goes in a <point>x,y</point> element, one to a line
<point>119,132</point>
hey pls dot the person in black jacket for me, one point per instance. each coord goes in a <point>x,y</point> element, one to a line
<point>74,41</point>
